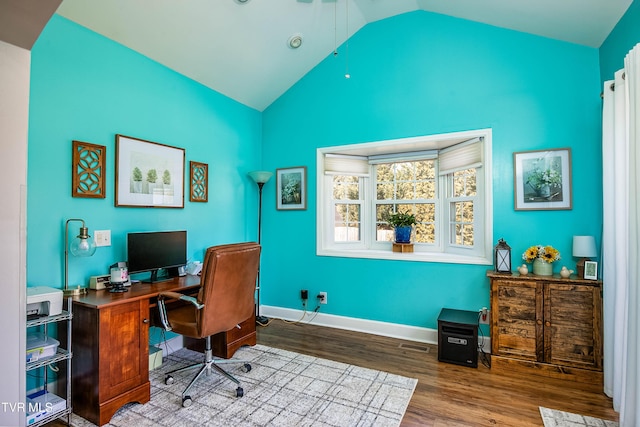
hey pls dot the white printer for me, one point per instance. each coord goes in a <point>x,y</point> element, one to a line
<point>44,301</point>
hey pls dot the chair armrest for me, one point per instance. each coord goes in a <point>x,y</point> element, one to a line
<point>173,295</point>
<point>178,295</point>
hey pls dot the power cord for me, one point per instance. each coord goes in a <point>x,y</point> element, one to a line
<point>164,341</point>
<point>483,356</point>
<point>293,322</point>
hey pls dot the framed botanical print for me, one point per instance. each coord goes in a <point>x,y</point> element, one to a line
<point>591,270</point>
<point>148,174</point>
<point>291,192</point>
<point>542,179</point>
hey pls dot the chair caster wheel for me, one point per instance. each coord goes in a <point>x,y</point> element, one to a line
<point>168,380</point>
<point>239,392</point>
<point>247,367</point>
<point>186,401</point>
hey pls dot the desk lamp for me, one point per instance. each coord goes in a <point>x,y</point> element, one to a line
<point>260,178</point>
<point>81,246</point>
<point>584,247</point>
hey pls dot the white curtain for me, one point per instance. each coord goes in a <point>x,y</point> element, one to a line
<point>621,239</point>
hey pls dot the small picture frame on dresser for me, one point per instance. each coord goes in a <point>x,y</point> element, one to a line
<point>591,270</point>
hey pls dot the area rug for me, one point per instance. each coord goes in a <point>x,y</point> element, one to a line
<point>555,418</point>
<point>283,388</point>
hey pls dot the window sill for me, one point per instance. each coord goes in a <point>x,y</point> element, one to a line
<point>411,256</point>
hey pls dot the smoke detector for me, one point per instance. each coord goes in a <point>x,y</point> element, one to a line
<point>295,41</point>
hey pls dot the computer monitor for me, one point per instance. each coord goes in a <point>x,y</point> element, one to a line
<point>154,251</point>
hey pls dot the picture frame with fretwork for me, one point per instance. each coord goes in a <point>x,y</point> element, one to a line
<point>198,182</point>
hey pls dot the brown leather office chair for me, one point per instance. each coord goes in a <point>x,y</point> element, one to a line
<point>225,299</point>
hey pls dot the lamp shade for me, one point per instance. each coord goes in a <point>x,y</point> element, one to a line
<point>83,245</point>
<point>584,246</point>
<point>260,177</point>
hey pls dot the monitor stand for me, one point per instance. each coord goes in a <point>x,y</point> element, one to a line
<point>162,277</point>
<point>118,287</point>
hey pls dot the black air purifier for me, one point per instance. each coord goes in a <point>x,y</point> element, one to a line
<point>458,337</point>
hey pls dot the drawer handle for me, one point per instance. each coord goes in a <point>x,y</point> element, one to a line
<point>539,322</point>
<point>145,320</point>
<point>547,323</point>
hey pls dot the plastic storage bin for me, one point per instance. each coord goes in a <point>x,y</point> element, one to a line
<point>40,346</point>
<point>41,404</point>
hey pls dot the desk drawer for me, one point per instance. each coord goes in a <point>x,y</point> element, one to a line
<point>225,344</point>
<point>245,329</point>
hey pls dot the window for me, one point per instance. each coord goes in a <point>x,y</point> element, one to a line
<point>407,187</point>
<point>440,179</point>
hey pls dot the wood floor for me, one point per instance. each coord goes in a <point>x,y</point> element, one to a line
<point>446,394</point>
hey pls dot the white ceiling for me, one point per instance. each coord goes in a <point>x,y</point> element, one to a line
<point>241,50</point>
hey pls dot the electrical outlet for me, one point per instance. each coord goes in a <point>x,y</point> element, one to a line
<point>485,315</point>
<point>102,237</point>
<point>322,297</point>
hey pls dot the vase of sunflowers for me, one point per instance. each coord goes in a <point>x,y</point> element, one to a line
<point>542,258</point>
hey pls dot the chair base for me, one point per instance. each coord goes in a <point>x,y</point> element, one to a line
<point>206,367</point>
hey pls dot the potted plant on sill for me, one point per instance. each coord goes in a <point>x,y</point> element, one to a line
<point>403,226</point>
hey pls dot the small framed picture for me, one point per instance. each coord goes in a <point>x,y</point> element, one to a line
<point>199,182</point>
<point>591,270</point>
<point>291,188</point>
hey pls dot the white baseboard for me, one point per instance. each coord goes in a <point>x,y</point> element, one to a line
<point>393,330</point>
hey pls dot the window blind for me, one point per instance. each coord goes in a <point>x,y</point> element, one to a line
<point>340,164</point>
<point>462,156</point>
<point>403,157</point>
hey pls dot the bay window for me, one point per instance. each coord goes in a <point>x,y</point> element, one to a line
<point>440,179</point>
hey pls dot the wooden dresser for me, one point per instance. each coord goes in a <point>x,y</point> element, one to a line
<point>547,324</point>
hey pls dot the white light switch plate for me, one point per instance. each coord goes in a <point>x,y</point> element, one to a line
<point>103,237</point>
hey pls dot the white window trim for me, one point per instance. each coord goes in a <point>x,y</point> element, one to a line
<point>430,142</point>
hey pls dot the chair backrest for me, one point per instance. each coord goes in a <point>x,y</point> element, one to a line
<point>229,276</point>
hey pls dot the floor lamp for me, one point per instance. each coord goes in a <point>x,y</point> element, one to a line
<point>260,178</point>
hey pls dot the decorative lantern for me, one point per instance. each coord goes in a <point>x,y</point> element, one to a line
<point>502,257</point>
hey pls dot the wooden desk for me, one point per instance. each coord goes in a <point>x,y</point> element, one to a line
<point>110,347</point>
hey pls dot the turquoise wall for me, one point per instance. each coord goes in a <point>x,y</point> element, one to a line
<point>447,75</point>
<point>620,41</point>
<point>418,74</point>
<point>85,87</point>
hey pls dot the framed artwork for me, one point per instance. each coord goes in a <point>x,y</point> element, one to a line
<point>199,182</point>
<point>291,184</point>
<point>591,270</point>
<point>88,172</point>
<point>148,174</point>
<point>542,179</point>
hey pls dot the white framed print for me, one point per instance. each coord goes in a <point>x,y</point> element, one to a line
<point>291,193</point>
<point>591,270</point>
<point>542,179</point>
<point>148,174</point>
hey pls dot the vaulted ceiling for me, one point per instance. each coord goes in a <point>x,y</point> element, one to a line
<point>241,47</point>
